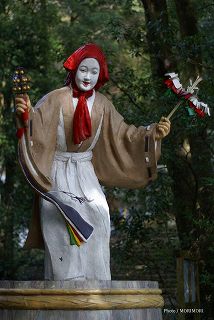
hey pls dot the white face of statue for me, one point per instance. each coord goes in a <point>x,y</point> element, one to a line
<point>87,74</point>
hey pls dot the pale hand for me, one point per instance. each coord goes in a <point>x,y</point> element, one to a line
<point>163,128</point>
<point>22,103</point>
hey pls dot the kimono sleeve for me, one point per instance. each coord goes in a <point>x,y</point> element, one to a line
<point>42,133</point>
<point>38,152</point>
<point>125,156</point>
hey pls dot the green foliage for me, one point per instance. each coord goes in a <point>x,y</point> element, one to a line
<point>176,210</point>
<point>25,29</point>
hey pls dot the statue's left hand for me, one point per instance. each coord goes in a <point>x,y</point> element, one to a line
<point>163,128</point>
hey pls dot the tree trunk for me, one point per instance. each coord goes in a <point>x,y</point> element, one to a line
<point>201,154</point>
<point>162,60</point>
<point>189,30</point>
<point>201,235</point>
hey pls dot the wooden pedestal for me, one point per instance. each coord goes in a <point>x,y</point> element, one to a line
<point>80,300</point>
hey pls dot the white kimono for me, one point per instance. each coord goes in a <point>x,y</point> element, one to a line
<point>74,173</point>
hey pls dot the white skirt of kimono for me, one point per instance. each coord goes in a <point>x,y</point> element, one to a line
<point>74,173</point>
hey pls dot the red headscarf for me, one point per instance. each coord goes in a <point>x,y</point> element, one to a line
<point>82,120</point>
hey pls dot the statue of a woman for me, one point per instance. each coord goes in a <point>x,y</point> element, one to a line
<point>76,140</point>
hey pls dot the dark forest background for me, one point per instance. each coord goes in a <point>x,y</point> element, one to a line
<point>142,41</point>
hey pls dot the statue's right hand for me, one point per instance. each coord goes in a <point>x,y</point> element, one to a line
<point>22,103</point>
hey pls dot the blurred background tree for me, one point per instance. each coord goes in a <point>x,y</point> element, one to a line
<point>142,40</point>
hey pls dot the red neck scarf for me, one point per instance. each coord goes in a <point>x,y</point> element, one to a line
<point>82,120</point>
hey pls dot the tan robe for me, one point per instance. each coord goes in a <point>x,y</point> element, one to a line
<point>124,156</point>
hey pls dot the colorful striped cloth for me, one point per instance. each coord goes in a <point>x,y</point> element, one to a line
<point>75,238</point>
